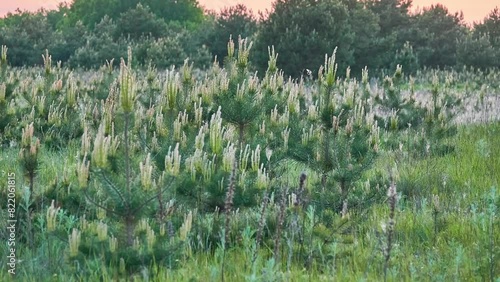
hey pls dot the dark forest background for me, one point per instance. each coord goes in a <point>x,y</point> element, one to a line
<point>378,34</point>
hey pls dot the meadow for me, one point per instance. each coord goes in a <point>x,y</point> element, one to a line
<point>129,173</point>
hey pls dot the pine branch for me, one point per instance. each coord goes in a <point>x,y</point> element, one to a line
<point>141,206</point>
<point>114,188</point>
<point>87,196</point>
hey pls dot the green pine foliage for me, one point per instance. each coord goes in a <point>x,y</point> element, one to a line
<point>125,173</point>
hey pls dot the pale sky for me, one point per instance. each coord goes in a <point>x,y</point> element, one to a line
<point>474,10</point>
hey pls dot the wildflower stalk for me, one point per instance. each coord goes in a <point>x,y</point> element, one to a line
<point>296,228</point>
<point>281,221</point>
<point>492,210</point>
<point>128,218</point>
<point>262,223</point>
<point>391,195</point>
<point>309,228</point>
<point>227,207</point>
<point>435,213</point>
<point>300,193</point>
<point>51,217</point>
<point>228,204</point>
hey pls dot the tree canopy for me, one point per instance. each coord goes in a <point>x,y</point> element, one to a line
<point>299,30</point>
<point>90,12</point>
<point>378,34</point>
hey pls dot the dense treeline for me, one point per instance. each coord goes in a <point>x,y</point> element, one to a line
<point>140,173</point>
<point>378,34</point>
